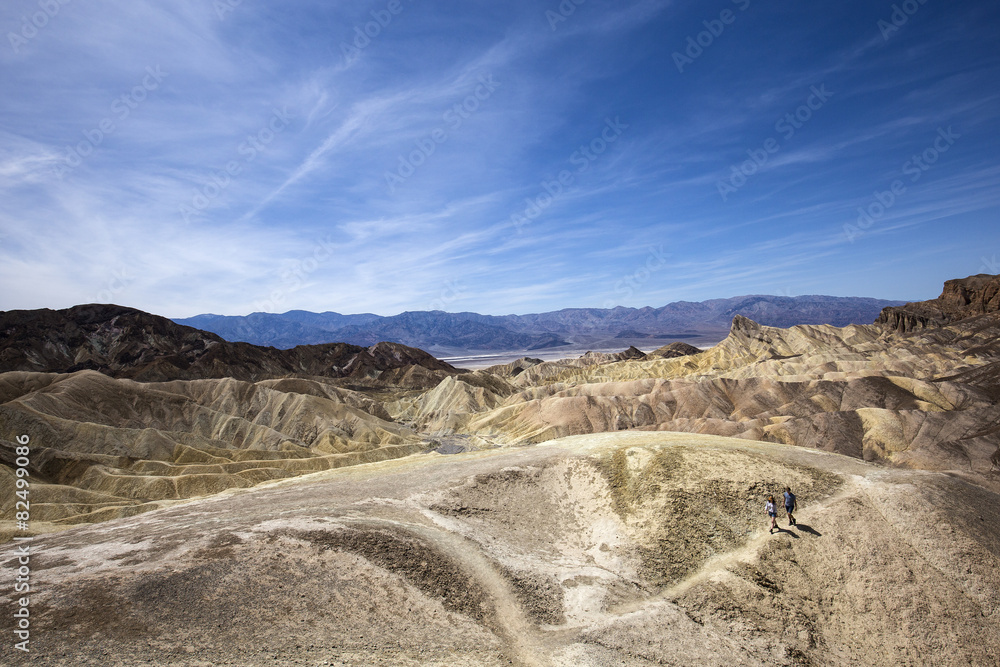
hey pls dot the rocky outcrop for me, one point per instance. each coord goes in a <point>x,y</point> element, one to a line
<point>901,320</point>
<point>514,368</point>
<point>631,353</point>
<point>673,350</point>
<point>975,295</point>
<point>960,299</point>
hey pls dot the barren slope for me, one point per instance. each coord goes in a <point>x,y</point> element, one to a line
<point>612,549</point>
<point>104,447</point>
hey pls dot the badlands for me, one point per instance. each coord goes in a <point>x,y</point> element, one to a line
<point>201,503</point>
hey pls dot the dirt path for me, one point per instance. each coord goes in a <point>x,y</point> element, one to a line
<point>524,643</point>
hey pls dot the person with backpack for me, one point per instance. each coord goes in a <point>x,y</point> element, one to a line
<point>790,505</point>
<point>773,513</point>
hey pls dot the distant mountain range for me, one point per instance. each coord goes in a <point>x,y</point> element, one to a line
<point>704,322</point>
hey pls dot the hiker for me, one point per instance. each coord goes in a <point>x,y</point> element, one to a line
<point>790,505</point>
<point>773,513</point>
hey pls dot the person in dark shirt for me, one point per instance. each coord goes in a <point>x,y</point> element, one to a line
<point>790,505</point>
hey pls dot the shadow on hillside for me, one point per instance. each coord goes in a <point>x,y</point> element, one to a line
<point>808,529</point>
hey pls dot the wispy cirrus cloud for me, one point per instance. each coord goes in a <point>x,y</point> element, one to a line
<point>111,226</point>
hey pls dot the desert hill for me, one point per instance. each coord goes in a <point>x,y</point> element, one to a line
<point>635,549</point>
<point>124,342</point>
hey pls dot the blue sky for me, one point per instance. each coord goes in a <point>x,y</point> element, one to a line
<point>502,157</point>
